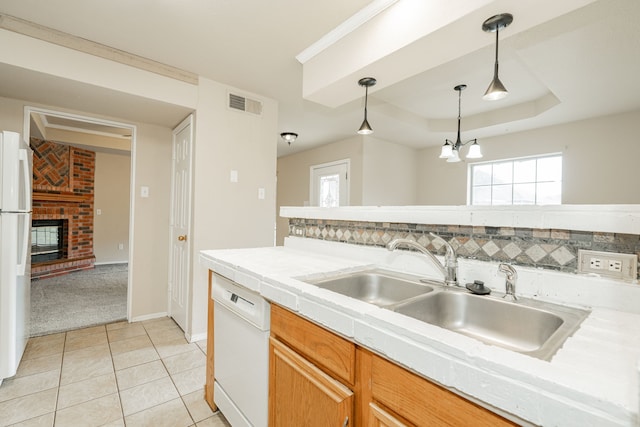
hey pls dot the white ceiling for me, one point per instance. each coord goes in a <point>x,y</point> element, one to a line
<point>572,66</point>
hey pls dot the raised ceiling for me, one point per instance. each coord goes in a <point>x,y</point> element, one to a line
<point>561,61</point>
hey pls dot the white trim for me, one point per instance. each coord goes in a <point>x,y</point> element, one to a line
<point>110,262</point>
<point>512,160</point>
<point>151,316</point>
<point>345,28</point>
<point>196,337</point>
<point>132,209</point>
<point>88,131</point>
<point>50,35</point>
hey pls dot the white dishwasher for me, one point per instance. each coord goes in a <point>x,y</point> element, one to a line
<point>241,353</point>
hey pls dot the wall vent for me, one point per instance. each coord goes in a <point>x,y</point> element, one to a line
<point>238,102</point>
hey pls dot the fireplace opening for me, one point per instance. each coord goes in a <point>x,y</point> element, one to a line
<point>47,240</point>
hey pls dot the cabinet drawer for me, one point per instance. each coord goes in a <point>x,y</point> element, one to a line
<point>423,402</point>
<point>325,349</point>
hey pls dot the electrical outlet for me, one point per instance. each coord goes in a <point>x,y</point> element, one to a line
<point>615,265</point>
<point>595,263</point>
<point>610,264</point>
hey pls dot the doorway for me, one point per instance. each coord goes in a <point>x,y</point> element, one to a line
<point>109,146</point>
<point>180,223</point>
<point>330,184</point>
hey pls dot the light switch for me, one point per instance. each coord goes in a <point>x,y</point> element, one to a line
<point>144,191</point>
<point>233,176</point>
<point>98,211</point>
<point>261,193</point>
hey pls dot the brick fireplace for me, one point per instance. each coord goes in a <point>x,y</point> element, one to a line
<point>63,187</point>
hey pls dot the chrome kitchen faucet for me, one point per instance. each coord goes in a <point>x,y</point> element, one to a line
<point>449,270</point>
<point>510,283</point>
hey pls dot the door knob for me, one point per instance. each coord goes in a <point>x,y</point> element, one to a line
<point>182,238</point>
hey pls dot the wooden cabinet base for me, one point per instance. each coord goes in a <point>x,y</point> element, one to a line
<point>208,388</point>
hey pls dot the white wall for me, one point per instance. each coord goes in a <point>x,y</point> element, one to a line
<point>11,115</point>
<point>388,173</point>
<point>40,56</point>
<point>600,161</point>
<point>227,214</point>
<point>382,173</point>
<point>150,269</point>
<point>293,175</point>
<point>111,189</point>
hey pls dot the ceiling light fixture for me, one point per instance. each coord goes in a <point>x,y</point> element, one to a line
<point>367,82</point>
<point>289,136</point>
<point>496,89</point>
<point>451,150</point>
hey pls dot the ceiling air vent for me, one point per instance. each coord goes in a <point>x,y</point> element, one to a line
<point>247,105</point>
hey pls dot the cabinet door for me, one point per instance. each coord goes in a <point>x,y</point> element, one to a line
<point>300,394</point>
<point>378,417</point>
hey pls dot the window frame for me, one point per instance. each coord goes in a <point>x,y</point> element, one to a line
<point>470,184</point>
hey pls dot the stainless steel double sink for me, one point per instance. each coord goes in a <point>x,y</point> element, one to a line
<point>527,326</point>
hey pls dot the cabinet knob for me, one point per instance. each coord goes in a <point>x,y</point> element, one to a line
<point>182,238</point>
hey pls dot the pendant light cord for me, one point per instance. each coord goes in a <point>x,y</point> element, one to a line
<point>366,97</point>
<point>458,141</point>
<point>495,70</point>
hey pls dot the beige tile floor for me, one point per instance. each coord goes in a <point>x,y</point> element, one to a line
<point>133,374</point>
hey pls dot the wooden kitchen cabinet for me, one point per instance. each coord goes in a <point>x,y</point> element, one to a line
<point>317,378</point>
<point>398,397</point>
<point>300,394</point>
<point>311,371</point>
<point>378,417</point>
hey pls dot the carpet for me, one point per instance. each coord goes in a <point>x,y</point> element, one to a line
<point>79,299</point>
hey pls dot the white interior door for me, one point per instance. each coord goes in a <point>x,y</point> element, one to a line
<point>330,184</point>
<point>180,224</point>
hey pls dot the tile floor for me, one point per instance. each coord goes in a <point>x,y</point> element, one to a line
<point>133,374</point>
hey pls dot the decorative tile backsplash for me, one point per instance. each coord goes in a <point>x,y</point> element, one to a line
<point>541,248</point>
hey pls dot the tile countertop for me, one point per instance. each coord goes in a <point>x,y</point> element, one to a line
<point>592,380</point>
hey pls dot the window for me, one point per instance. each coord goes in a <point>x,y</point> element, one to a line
<point>329,184</point>
<point>525,181</point>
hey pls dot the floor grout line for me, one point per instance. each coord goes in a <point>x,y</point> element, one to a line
<point>158,334</point>
<point>113,366</point>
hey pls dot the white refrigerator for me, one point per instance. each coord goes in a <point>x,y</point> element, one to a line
<point>16,162</point>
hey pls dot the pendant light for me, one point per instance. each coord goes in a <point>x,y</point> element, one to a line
<point>289,136</point>
<point>367,82</point>
<point>496,89</point>
<point>451,150</point>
